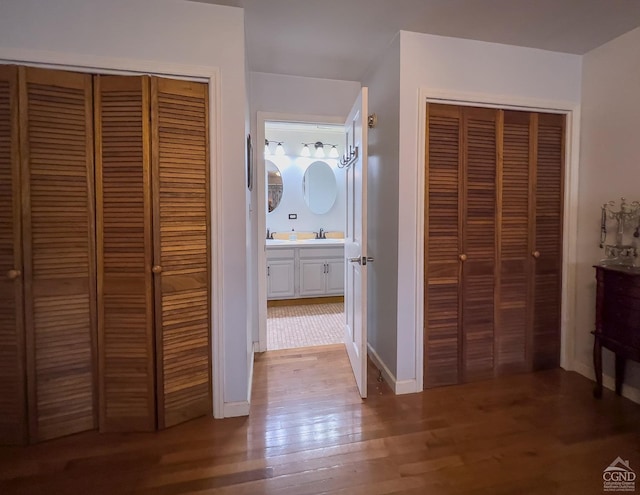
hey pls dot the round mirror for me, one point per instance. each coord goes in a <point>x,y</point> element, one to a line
<point>274,186</point>
<point>319,187</point>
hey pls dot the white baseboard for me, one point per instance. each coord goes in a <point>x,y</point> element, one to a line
<point>241,408</point>
<point>631,393</point>
<point>235,409</point>
<point>399,387</point>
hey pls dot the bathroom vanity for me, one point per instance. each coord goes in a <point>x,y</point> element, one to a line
<point>305,268</point>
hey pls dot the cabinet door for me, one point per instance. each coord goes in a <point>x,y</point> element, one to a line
<point>479,242</point>
<point>180,172</point>
<point>335,276</point>
<point>549,173</point>
<point>280,279</point>
<point>56,113</point>
<point>124,245</point>
<point>443,245</point>
<point>513,324</point>
<point>13,425</point>
<point>313,277</point>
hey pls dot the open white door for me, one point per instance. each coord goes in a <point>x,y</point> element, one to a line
<point>355,242</point>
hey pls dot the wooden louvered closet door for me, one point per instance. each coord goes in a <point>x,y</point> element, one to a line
<point>442,245</point>
<point>181,246</point>
<point>513,315</point>
<point>124,241</point>
<point>549,170</point>
<point>500,174</point>
<point>59,251</point>
<point>13,424</point>
<point>479,242</point>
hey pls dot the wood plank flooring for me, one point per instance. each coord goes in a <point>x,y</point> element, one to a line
<point>309,433</point>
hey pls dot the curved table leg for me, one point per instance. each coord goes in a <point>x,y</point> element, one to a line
<point>597,366</point>
<point>620,368</point>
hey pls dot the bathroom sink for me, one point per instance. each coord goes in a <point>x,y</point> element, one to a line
<point>321,241</point>
<point>306,242</point>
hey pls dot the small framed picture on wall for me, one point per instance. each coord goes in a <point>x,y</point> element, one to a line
<point>249,163</point>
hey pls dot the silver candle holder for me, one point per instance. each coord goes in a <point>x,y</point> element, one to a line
<point>624,224</point>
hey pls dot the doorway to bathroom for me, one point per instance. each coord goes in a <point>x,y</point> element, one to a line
<point>305,211</point>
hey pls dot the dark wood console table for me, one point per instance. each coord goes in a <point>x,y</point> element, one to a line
<point>617,319</point>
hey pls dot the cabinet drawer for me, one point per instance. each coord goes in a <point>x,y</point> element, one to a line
<point>280,254</point>
<point>321,252</point>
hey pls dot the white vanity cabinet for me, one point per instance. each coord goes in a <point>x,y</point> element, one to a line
<point>321,272</point>
<point>304,269</point>
<point>281,273</point>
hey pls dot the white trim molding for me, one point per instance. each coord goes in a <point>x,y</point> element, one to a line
<point>210,75</point>
<point>399,387</point>
<point>236,409</point>
<point>631,393</point>
<point>569,252</point>
<point>241,408</point>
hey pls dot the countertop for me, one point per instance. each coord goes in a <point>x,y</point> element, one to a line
<point>275,243</point>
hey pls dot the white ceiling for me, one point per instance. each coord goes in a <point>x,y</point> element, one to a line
<point>339,39</point>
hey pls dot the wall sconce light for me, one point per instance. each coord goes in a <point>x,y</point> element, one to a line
<point>279,148</point>
<point>319,147</point>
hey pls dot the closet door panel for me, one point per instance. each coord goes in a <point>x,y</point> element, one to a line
<point>13,425</point>
<point>479,242</point>
<point>548,240</point>
<point>59,250</point>
<point>181,249</point>
<point>513,315</point>
<point>124,241</point>
<point>442,246</point>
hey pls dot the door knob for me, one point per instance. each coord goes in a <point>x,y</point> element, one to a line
<point>13,274</point>
<point>463,257</point>
<point>356,260</point>
<point>156,269</point>
<point>536,254</point>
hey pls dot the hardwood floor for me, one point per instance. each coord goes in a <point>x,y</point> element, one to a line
<point>310,433</point>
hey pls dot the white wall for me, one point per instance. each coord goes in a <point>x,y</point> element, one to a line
<point>609,169</point>
<point>465,67</point>
<point>158,33</point>
<point>383,81</point>
<point>293,167</point>
<point>301,95</point>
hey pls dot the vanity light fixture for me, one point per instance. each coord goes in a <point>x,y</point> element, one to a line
<point>279,148</point>
<point>319,153</point>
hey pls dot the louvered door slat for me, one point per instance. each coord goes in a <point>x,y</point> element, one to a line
<point>515,249</point>
<point>59,250</point>
<point>548,240</point>
<point>124,241</point>
<point>479,242</point>
<point>181,247</point>
<point>13,425</point>
<point>442,245</point>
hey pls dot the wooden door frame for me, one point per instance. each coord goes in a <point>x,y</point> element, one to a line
<point>570,208</point>
<point>211,75</point>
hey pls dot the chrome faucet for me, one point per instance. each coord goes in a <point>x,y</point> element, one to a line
<point>321,233</point>
<point>269,235</point>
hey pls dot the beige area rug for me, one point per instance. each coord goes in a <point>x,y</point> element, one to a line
<point>305,325</point>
